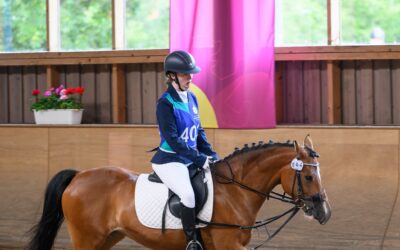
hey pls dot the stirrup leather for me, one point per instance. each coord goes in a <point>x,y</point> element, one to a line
<point>200,247</point>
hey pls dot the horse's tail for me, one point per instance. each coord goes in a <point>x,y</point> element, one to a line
<point>45,231</point>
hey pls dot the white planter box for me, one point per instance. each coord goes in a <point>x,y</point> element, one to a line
<point>58,116</point>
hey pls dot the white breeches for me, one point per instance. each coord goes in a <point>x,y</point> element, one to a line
<point>176,177</point>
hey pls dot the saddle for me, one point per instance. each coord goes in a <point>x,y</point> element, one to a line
<point>198,180</point>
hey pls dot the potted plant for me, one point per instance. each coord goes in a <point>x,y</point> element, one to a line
<point>58,105</point>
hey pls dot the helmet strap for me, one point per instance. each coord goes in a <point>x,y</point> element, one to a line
<point>177,81</point>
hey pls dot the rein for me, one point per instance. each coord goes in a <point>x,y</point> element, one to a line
<point>298,203</point>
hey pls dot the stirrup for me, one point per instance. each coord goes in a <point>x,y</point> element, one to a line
<point>200,247</point>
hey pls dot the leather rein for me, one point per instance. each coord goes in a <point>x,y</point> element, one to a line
<point>298,203</point>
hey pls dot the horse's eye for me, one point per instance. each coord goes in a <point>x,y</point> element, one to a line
<point>308,177</point>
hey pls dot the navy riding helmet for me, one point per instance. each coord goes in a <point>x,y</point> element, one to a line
<point>180,62</point>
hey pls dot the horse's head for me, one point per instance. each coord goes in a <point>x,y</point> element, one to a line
<point>302,180</point>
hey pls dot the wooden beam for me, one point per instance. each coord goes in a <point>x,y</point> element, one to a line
<point>53,25</point>
<point>333,22</point>
<point>118,94</point>
<point>333,88</point>
<point>98,57</point>
<point>279,91</point>
<point>118,24</point>
<point>52,76</point>
<point>324,53</point>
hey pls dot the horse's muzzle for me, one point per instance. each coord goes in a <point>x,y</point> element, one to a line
<point>318,207</point>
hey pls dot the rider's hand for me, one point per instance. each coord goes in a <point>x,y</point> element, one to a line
<point>206,164</point>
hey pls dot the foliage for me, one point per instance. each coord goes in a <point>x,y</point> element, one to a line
<point>58,98</point>
<point>300,22</point>
<point>304,22</point>
<point>85,25</point>
<point>23,25</point>
<point>360,17</point>
<point>147,24</point>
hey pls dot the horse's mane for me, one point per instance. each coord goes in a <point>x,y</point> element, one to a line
<point>255,146</point>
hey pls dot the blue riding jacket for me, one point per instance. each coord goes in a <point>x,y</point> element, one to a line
<point>182,137</point>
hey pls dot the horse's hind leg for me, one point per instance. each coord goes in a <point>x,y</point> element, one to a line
<point>112,239</point>
<point>85,240</point>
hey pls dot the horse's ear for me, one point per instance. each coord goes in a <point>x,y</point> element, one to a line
<point>308,142</point>
<point>296,147</point>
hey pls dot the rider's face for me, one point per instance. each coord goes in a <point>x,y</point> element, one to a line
<point>184,80</point>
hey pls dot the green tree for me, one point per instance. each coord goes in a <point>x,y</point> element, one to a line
<point>360,17</point>
<point>86,25</point>
<point>147,24</point>
<point>23,25</point>
<point>300,22</point>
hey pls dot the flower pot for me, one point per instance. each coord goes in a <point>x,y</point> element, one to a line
<point>58,116</point>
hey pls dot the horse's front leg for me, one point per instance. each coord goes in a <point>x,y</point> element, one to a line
<point>225,238</point>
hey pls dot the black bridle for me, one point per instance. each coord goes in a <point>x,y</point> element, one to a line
<point>298,203</point>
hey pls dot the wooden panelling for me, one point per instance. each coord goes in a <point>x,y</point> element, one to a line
<point>53,73</point>
<point>293,91</point>
<point>62,75</point>
<point>396,92</point>
<point>88,81</point>
<point>382,93</point>
<point>279,91</point>
<point>72,76</point>
<point>133,94</point>
<point>324,93</point>
<point>364,92</point>
<point>149,93</point>
<point>312,92</point>
<point>32,155</point>
<point>29,83</point>
<point>161,80</point>
<point>41,78</point>
<point>118,91</point>
<point>103,94</point>
<point>23,177</point>
<point>4,95</point>
<point>349,110</point>
<point>369,91</point>
<point>333,92</point>
<point>16,95</point>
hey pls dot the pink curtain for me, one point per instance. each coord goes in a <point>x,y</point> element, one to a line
<point>233,42</point>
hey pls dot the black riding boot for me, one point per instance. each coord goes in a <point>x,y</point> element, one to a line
<point>188,217</point>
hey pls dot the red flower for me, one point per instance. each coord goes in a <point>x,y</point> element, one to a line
<point>79,90</point>
<point>69,91</point>
<point>35,92</point>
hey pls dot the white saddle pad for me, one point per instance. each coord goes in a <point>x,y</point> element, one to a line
<point>150,199</point>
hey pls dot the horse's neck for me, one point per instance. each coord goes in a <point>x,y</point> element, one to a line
<point>259,170</point>
<point>263,169</point>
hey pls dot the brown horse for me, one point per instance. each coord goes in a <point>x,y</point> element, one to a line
<point>98,204</point>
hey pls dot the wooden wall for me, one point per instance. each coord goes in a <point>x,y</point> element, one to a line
<point>16,85</point>
<point>303,92</point>
<point>144,84</point>
<point>370,92</point>
<point>363,191</point>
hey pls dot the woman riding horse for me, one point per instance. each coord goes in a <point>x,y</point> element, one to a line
<point>183,140</point>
